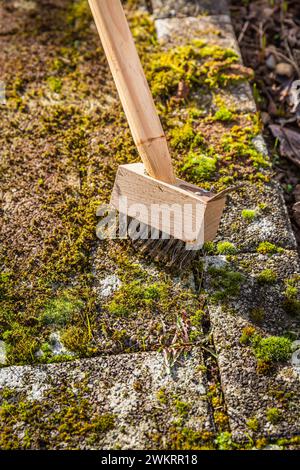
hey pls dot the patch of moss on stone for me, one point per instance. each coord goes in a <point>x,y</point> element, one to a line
<point>183,136</point>
<point>55,84</point>
<point>182,408</point>
<point>253,424</point>
<point>135,296</point>
<point>266,276</point>
<point>267,351</point>
<point>224,441</point>
<point>226,284</point>
<point>187,438</point>
<point>61,309</point>
<point>249,214</point>
<point>223,114</point>
<point>226,248</point>
<point>77,339</point>
<point>265,248</point>
<point>291,303</point>
<point>62,418</point>
<point>199,166</point>
<point>273,415</point>
<point>257,315</point>
<point>195,64</point>
<point>272,349</point>
<point>247,333</point>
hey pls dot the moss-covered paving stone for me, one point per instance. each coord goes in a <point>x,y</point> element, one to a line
<point>214,30</point>
<point>63,137</point>
<point>182,8</point>
<point>117,402</point>
<point>254,308</point>
<point>255,214</point>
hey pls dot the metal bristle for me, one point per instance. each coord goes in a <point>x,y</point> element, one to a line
<point>160,246</point>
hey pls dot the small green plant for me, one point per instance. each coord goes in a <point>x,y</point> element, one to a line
<point>249,214</point>
<point>209,248</point>
<point>247,333</point>
<point>224,441</point>
<point>223,114</point>
<point>135,296</point>
<point>226,248</point>
<point>225,283</point>
<point>267,350</point>
<point>273,415</point>
<point>55,84</point>
<point>268,248</point>
<point>272,349</point>
<point>199,166</point>
<point>182,408</point>
<point>181,137</point>
<point>257,315</point>
<point>253,424</point>
<point>267,276</point>
<point>291,304</point>
<point>62,309</point>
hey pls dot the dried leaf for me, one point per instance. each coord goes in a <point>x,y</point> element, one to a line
<point>296,213</point>
<point>289,142</point>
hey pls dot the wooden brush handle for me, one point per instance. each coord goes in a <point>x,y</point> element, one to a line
<point>133,88</point>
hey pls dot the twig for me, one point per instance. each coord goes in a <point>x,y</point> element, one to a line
<point>244,29</point>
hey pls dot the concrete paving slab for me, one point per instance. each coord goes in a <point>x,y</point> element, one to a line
<point>181,8</point>
<point>270,221</point>
<point>116,402</point>
<point>262,395</point>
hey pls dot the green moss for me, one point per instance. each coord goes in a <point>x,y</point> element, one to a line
<point>76,339</point>
<point>79,15</point>
<point>162,397</point>
<point>197,318</point>
<point>55,84</point>
<point>273,415</point>
<point>194,64</point>
<point>267,276</point>
<point>199,166</point>
<point>5,284</point>
<point>134,296</point>
<point>291,304</point>
<point>182,137</point>
<point>272,349</point>
<point>221,420</point>
<point>249,214</point>
<point>268,248</point>
<point>253,424</point>
<point>226,283</point>
<point>64,416</point>
<point>61,310</point>
<point>223,114</point>
<point>21,344</point>
<point>267,350</point>
<point>257,315</point>
<point>226,248</point>
<point>187,438</point>
<point>209,248</point>
<point>247,333</point>
<point>224,441</point>
<point>182,408</point>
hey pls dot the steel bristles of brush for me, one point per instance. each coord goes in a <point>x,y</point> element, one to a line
<point>159,246</point>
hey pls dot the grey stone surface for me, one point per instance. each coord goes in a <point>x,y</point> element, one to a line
<point>271,222</point>
<point>249,392</point>
<point>181,8</point>
<point>137,390</point>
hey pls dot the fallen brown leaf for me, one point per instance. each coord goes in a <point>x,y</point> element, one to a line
<point>289,142</point>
